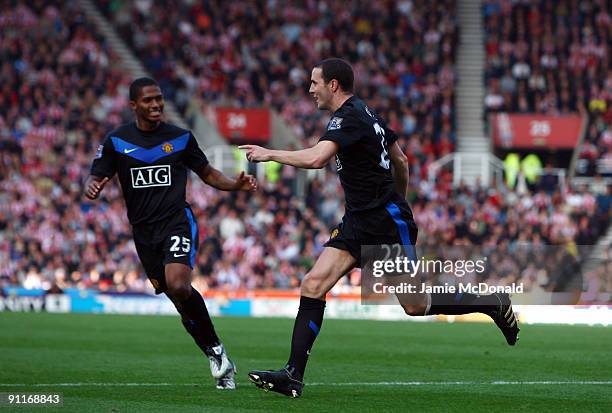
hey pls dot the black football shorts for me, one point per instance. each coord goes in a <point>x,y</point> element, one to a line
<point>174,239</point>
<point>389,225</point>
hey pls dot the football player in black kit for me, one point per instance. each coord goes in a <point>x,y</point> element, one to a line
<point>152,160</point>
<point>373,172</point>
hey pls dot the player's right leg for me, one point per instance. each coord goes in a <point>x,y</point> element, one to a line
<point>166,251</point>
<point>196,320</point>
<point>331,265</point>
<point>180,243</point>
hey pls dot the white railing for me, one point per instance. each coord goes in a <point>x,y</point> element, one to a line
<point>592,183</point>
<point>604,166</point>
<point>469,168</point>
<point>487,169</point>
<point>223,157</point>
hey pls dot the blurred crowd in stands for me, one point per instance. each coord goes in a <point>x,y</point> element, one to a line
<point>60,92</point>
<point>553,57</point>
<point>251,53</point>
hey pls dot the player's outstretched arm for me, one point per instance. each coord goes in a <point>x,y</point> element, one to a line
<point>400,169</point>
<point>315,157</point>
<point>216,179</point>
<point>94,185</point>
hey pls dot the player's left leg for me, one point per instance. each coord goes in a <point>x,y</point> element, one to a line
<point>331,265</point>
<point>196,320</point>
<point>497,306</point>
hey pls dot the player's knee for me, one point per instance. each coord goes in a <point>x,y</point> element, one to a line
<point>312,286</point>
<point>178,290</point>
<point>178,280</point>
<point>414,309</point>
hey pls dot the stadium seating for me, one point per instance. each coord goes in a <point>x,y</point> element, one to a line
<point>553,58</point>
<point>60,93</point>
<point>245,53</point>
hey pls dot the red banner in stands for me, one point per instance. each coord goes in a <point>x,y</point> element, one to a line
<point>536,131</point>
<point>241,125</point>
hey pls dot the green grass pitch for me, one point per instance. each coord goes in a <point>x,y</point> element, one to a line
<point>352,367</point>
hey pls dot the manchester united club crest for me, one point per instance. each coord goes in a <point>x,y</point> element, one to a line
<point>167,147</point>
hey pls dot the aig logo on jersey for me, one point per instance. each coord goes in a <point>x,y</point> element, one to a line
<point>149,176</point>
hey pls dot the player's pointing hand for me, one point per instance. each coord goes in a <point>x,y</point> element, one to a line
<point>256,153</point>
<point>246,182</point>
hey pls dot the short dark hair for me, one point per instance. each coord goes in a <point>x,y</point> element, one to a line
<point>339,69</point>
<point>137,85</point>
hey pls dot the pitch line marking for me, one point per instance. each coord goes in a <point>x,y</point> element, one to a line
<point>356,384</point>
<point>463,383</point>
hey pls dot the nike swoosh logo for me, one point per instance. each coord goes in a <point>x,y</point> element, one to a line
<point>129,150</point>
<point>179,255</point>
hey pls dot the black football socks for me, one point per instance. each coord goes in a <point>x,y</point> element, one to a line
<point>197,322</point>
<point>305,330</point>
<point>462,303</point>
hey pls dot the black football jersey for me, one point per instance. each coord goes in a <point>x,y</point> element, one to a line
<point>362,161</point>
<point>152,167</point>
